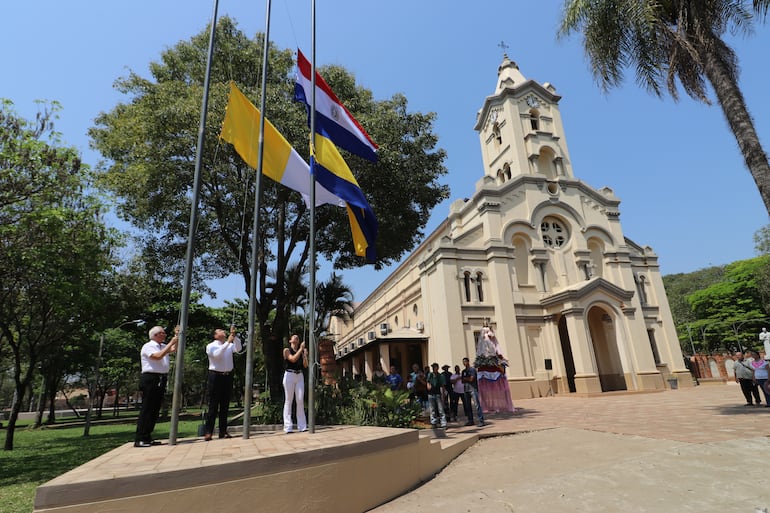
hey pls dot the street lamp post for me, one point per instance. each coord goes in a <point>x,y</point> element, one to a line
<point>87,427</point>
<point>689,335</point>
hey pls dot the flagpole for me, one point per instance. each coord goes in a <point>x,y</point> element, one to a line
<point>311,242</point>
<point>186,285</point>
<point>255,238</point>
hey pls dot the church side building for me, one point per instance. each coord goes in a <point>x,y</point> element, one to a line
<point>536,254</point>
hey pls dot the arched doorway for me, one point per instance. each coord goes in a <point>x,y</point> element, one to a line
<point>603,337</point>
<point>566,352</point>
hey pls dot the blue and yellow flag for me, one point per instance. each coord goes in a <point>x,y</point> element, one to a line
<point>330,168</point>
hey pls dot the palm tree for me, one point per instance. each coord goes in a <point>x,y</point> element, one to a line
<point>333,299</point>
<point>666,40</point>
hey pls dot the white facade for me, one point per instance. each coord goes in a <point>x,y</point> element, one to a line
<point>538,255</point>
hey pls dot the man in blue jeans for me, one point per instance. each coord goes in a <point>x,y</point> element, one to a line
<point>436,391</point>
<point>469,379</point>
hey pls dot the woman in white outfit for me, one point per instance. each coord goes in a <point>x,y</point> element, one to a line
<point>295,360</point>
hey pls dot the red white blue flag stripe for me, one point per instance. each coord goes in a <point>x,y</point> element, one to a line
<point>332,118</point>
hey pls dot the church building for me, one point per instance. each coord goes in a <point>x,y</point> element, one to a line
<point>536,254</point>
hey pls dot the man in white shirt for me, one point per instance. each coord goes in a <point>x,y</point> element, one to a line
<point>220,379</point>
<point>152,383</point>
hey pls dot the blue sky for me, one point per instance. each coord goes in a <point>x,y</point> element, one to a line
<point>675,166</point>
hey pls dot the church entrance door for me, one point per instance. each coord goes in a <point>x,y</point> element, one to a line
<point>603,337</point>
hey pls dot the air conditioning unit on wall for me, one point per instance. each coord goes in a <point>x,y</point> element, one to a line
<point>419,325</point>
<point>384,328</point>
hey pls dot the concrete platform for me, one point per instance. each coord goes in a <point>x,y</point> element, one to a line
<point>340,468</point>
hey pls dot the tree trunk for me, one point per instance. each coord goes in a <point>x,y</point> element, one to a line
<point>69,404</point>
<point>15,409</point>
<point>272,348</point>
<point>100,395</point>
<point>116,402</point>
<point>53,386</point>
<point>41,399</point>
<point>738,118</point>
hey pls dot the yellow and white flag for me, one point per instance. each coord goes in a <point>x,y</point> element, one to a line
<point>280,161</point>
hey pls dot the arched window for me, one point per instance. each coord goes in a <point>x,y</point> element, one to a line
<point>545,163</point>
<point>467,284</point>
<point>414,309</point>
<point>496,133</point>
<point>534,119</point>
<point>395,321</point>
<point>596,248</point>
<point>479,286</point>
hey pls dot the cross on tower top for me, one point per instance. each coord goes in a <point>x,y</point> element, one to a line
<point>504,47</point>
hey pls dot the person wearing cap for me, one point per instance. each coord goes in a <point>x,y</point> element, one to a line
<point>220,379</point>
<point>436,390</point>
<point>447,388</point>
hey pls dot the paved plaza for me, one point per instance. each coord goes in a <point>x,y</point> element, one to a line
<point>688,450</point>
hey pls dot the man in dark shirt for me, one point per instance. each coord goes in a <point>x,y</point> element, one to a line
<point>436,391</point>
<point>470,381</point>
<point>447,387</point>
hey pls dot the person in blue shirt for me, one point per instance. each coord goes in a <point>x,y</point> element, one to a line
<point>394,379</point>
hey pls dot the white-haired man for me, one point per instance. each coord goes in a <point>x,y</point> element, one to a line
<point>155,365</point>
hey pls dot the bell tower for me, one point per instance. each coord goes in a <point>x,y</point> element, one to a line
<point>520,129</point>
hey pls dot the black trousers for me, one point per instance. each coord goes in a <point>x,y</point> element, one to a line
<point>749,388</point>
<point>220,387</point>
<point>153,387</point>
<point>454,401</point>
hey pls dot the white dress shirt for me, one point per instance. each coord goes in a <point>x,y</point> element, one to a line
<point>221,354</point>
<point>149,364</point>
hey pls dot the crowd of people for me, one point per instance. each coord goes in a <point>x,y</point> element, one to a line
<point>439,393</point>
<point>481,387</point>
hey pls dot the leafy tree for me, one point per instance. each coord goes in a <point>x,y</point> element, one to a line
<point>678,289</point>
<point>150,144</point>
<point>674,40</point>
<point>54,247</point>
<point>680,286</point>
<point>762,247</point>
<point>725,310</point>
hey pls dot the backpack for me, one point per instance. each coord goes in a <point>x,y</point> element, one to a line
<point>420,385</point>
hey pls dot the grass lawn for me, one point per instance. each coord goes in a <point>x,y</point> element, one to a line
<point>40,455</point>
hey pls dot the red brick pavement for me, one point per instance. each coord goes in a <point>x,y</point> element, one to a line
<point>701,414</point>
